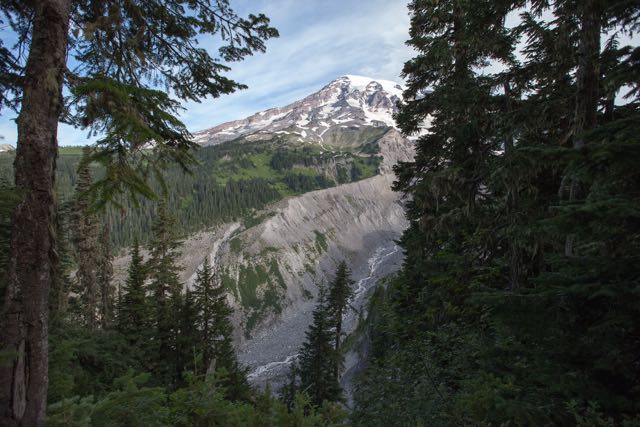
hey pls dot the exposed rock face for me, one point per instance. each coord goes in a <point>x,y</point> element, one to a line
<point>308,236</point>
<point>394,148</point>
<point>297,249</point>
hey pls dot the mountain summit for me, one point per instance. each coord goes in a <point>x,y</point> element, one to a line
<point>344,105</point>
<point>6,148</point>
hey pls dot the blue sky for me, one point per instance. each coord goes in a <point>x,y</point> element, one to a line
<point>319,41</point>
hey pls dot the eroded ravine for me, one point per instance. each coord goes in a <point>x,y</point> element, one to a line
<point>288,335</point>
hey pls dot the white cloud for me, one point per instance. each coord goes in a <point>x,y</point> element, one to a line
<point>315,46</point>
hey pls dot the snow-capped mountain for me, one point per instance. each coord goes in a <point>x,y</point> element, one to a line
<point>347,103</point>
<point>6,148</point>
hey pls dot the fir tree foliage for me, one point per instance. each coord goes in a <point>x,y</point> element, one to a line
<point>128,58</point>
<point>8,200</point>
<point>318,357</point>
<point>189,337</point>
<point>133,314</point>
<point>86,244</point>
<point>61,288</point>
<point>166,295</point>
<point>216,332</point>
<point>104,278</point>
<point>289,390</point>
<point>515,301</point>
<point>117,62</point>
<point>340,293</point>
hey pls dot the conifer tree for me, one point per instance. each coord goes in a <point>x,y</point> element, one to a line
<point>527,283</point>
<point>166,293</point>
<point>318,357</point>
<point>340,292</point>
<point>105,278</point>
<point>85,239</point>
<point>61,287</point>
<point>8,199</point>
<point>288,392</point>
<point>134,316</point>
<point>190,337</point>
<point>211,313</point>
<point>214,325</point>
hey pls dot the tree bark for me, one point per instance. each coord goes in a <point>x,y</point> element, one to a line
<point>24,316</point>
<point>515,257</point>
<point>336,369</point>
<point>587,84</point>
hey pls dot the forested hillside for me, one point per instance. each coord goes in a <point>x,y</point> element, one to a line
<point>519,300</point>
<point>229,181</point>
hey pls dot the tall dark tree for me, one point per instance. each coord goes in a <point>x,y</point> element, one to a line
<point>189,341</point>
<point>318,356</point>
<point>590,16</point>
<point>8,200</point>
<point>288,391</point>
<point>134,316</point>
<point>61,288</point>
<point>166,292</point>
<point>340,292</point>
<point>207,297</point>
<point>122,52</point>
<point>25,312</point>
<point>86,234</point>
<point>104,278</point>
<point>214,325</point>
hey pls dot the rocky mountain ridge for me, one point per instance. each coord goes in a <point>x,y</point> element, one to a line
<point>347,103</point>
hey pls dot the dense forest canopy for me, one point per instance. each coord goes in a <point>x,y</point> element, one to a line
<point>227,182</point>
<point>518,300</point>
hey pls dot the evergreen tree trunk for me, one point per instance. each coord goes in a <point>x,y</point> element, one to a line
<point>24,317</point>
<point>104,279</point>
<point>336,369</point>
<point>587,81</point>
<point>87,245</point>
<point>515,254</point>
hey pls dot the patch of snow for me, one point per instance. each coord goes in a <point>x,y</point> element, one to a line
<point>379,116</point>
<point>354,102</point>
<point>361,82</point>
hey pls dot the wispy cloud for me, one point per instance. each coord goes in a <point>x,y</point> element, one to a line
<point>319,41</point>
